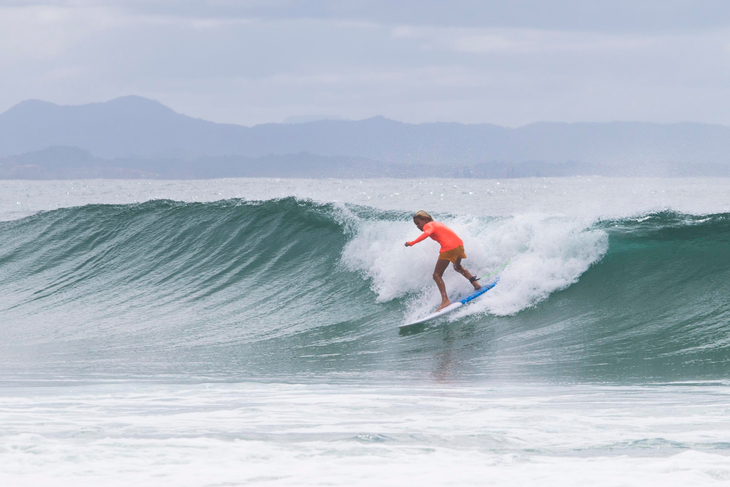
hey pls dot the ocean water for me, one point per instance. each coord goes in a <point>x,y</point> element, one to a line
<point>245,331</point>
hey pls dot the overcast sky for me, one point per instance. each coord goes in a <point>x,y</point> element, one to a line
<point>250,62</point>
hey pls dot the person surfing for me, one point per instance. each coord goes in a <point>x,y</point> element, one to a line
<point>452,250</point>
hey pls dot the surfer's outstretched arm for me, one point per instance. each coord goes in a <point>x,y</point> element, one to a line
<point>426,233</point>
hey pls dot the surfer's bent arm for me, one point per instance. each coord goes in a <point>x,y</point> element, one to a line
<point>426,233</point>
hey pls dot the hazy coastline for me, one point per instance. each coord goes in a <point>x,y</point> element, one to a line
<point>137,138</point>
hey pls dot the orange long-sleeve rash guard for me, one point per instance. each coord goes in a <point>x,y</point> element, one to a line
<point>440,233</point>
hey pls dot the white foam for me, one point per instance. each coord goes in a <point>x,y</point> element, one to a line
<point>545,254</point>
<point>310,435</point>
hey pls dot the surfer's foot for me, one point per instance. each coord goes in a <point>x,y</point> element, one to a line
<point>476,285</point>
<point>443,305</point>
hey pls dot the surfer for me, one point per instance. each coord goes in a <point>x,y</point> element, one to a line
<point>452,250</point>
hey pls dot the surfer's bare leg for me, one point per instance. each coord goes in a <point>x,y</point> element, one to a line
<point>438,273</point>
<point>466,273</point>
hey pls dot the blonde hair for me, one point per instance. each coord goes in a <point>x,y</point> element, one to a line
<point>423,215</point>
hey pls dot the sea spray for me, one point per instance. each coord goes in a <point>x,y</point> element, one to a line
<point>545,254</point>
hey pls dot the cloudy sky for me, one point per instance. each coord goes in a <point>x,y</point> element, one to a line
<point>256,61</point>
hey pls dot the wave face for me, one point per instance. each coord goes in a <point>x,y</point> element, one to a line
<point>291,288</point>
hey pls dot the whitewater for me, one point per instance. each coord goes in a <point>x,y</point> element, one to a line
<point>245,332</point>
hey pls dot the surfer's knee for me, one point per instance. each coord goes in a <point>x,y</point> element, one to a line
<point>457,267</point>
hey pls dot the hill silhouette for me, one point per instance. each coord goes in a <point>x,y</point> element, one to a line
<point>134,128</point>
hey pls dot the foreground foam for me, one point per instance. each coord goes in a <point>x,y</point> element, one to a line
<point>338,434</point>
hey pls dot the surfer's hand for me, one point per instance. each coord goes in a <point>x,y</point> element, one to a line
<point>407,244</point>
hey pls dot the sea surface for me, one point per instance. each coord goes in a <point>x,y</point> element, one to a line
<point>245,332</point>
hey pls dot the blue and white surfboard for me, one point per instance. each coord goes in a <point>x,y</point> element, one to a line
<point>453,306</point>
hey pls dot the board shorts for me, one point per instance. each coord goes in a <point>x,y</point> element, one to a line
<point>453,254</point>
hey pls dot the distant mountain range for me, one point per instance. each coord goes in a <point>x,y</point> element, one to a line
<point>137,137</point>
